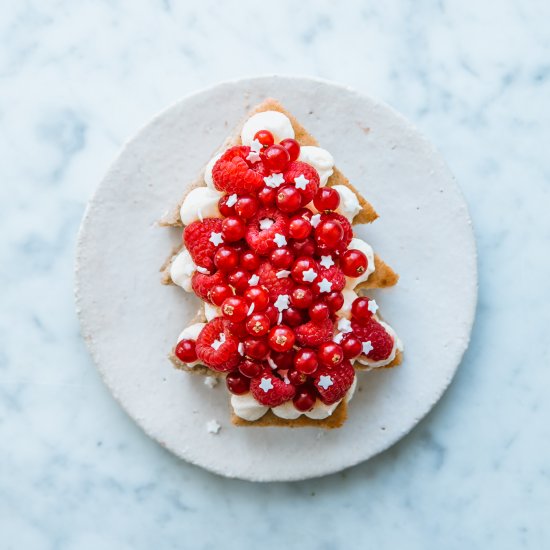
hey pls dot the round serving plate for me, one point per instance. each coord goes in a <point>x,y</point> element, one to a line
<point>130,321</point>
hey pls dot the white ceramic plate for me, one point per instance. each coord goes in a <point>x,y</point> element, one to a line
<point>130,321</point>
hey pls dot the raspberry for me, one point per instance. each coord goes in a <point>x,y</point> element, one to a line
<point>275,286</point>
<point>261,240</point>
<point>270,390</point>
<point>346,226</point>
<point>372,331</point>
<point>339,378</point>
<point>334,275</point>
<point>296,169</point>
<point>223,356</point>
<point>196,237</point>
<point>313,334</point>
<point>202,284</point>
<point>232,174</point>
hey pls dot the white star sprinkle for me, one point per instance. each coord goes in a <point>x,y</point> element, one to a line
<point>266,223</point>
<point>251,309</point>
<point>373,306</point>
<point>301,181</point>
<point>232,200</point>
<point>213,427</point>
<point>315,220</point>
<point>211,381</point>
<point>272,363</point>
<point>266,384</point>
<point>280,318</point>
<point>279,240</point>
<point>282,302</point>
<point>309,275</point>
<point>275,180</point>
<point>240,348</point>
<point>326,261</point>
<point>367,347</point>
<point>253,157</point>
<point>216,238</point>
<point>325,381</point>
<point>325,286</point>
<point>218,342</point>
<point>338,337</point>
<point>344,325</point>
<point>256,146</point>
<point>203,270</point>
<point>283,274</point>
<point>254,280</point>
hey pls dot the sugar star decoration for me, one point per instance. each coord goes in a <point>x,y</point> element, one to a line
<point>254,280</point>
<point>274,180</point>
<point>266,223</point>
<point>309,275</point>
<point>211,381</point>
<point>326,261</point>
<point>282,302</point>
<point>325,286</point>
<point>213,427</point>
<point>301,182</point>
<point>373,306</point>
<point>325,381</point>
<point>367,347</point>
<point>232,200</point>
<point>338,337</point>
<point>218,342</point>
<point>251,309</point>
<point>315,220</point>
<point>279,240</point>
<point>203,270</point>
<point>272,363</point>
<point>240,348</point>
<point>282,274</point>
<point>344,325</point>
<point>255,148</point>
<point>216,238</point>
<point>266,384</point>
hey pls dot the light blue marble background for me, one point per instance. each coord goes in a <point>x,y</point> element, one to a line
<point>78,78</point>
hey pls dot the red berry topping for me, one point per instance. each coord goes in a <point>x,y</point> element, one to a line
<point>353,262</point>
<point>246,207</point>
<point>293,148</point>
<point>218,293</point>
<point>238,279</point>
<point>250,368</point>
<point>299,228</point>
<point>224,208</point>
<point>334,276</point>
<point>332,384</point>
<point>258,296</point>
<point>361,310</point>
<point>258,324</point>
<point>301,297</point>
<point>267,195</point>
<point>314,334</point>
<point>334,300</point>
<point>237,383</point>
<point>281,338</point>
<point>232,174</point>
<point>306,361</point>
<point>274,285</point>
<point>304,270</point>
<point>283,360</point>
<point>319,312</point>
<point>226,258</point>
<point>234,309</point>
<point>305,247</point>
<point>269,390</point>
<point>216,347</point>
<point>233,229</point>
<point>265,137</point>
<point>329,234</point>
<point>273,313</point>
<point>256,348</point>
<point>202,284</point>
<point>351,345</point>
<point>296,377</point>
<point>293,317</point>
<point>237,329</point>
<point>276,158</point>
<point>281,258</point>
<point>330,354</point>
<point>346,226</point>
<point>380,340</point>
<point>185,351</point>
<point>199,239</point>
<point>261,232</point>
<point>304,177</point>
<point>305,398</point>
<point>250,260</point>
<point>288,199</point>
<point>326,198</point>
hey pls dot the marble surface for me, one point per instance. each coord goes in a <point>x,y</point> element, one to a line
<point>76,79</point>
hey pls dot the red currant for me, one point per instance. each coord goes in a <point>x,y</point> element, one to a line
<point>326,198</point>
<point>250,368</point>
<point>273,313</point>
<point>237,383</point>
<point>351,345</point>
<point>237,329</point>
<point>301,297</point>
<point>318,312</point>
<point>330,354</point>
<point>238,279</point>
<point>360,309</point>
<point>250,260</point>
<point>258,296</point>
<point>218,293</point>
<point>258,324</point>
<point>304,398</point>
<point>223,208</point>
<point>281,258</point>
<point>292,146</point>
<point>234,309</point>
<point>305,247</point>
<point>246,207</point>
<point>296,377</point>
<point>185,351</point>
<point>233,229</point>
<point>265,137</point>
<point>288,199</point>
<point>256,348</point>
<point>226,258</point>
<point>267,196</point>
<point>299,228</point>
<point>301,265</point>
<point>276,158</point>
<point>353,262</point>
<point>293,317</point>
<point>304,213</point>
<point>329,233</point>
<point>281,338</point>
<point>334,300</point>
<point>284,360</point>
<point>306,361</point>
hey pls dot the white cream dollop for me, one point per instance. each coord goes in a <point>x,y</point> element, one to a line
<point>211,311</point>
<point>191,333</point>
<point>287,411</point>
<point>182,269</point>
<point>208,170</point>
<point>349,205</point>
<point>247,408</point>
<point>200,203</point>
<point>366,249</point>
<point>277,123</point>
<point>397,345</point>
<point>320,159</point>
